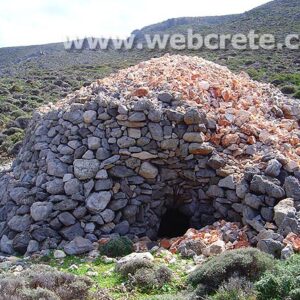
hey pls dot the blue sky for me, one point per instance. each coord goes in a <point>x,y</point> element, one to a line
<point>28,22</point>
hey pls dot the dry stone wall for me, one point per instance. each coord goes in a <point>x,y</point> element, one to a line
<point>110,167</point>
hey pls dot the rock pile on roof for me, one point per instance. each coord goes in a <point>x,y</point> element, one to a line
<point>173,133</point>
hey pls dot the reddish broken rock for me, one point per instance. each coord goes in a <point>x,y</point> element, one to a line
<point>215,238</point>
<point>293,240</point>
<point>141,92</point>
<point>230,139</point>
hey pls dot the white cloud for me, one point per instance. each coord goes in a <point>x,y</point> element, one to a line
<point>45,21</point>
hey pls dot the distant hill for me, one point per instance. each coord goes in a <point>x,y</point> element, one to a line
<point>33,75</point>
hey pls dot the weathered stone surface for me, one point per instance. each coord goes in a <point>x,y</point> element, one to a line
<point>193,137</point>
<point>118,204</point>
<point>144,155</point>
<point>229,182</point>
<point>86,169</point>
<point>156,131</point>
<point>134,256</point>
<point>263,185</point>
<point>89,116</point>
<point>201,149</point>
<point>216,162</point>
<point>56,168</point>
<point>270,246</point>
<point>74,117</point>
<point>6,245</point>
<point>148,171</point>
<point>102,154</point>
<point>273,168</point>
<point>66,218</point>
<point>94,143</point>
<point>21,241</point>
<point>134,133</point>
<point>253,201</point>
<point>121,172</point>
<point>126,142</point>
<point>40,211</point>
<point>122,228</point>
<point>108,215</point>
<point>72,186</point>
<point>287,252</point>
<point>292,187</point>
<point>58,254</point>
<point>283,209</point>
<point>215,248</point>
<point>32,247</point>
<point>193,116</point>
<point>97,202</point>
<point>170,144</point>
<point>55,187</point>
<point>71,232</point>
<point>165,97</point>
<point>19,223</point>
<point>18,194</point>
<point>103,185</point>
<point>78,246</point>
<point>215,191</point>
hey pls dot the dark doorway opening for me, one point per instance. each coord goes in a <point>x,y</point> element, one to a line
<point>173,224</point>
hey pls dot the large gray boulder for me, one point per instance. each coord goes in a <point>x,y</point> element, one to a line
<point>78,246</point>
<point>283,209</point>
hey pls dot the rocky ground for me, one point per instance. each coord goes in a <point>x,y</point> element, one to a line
<point>113,271</point>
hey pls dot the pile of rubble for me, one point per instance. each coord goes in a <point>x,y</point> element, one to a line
<point>171,133</point>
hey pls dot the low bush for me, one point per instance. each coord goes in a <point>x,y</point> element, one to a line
<point>295,294</point>
<point>249,263</point>
<point>117,247</point>
<point>185,296</point>
<point>152,278</point>
<point>235,289</point>
<point>297,95</point>
<point>282,283</point>
<point>288,89</point>
<point>43,282</point>
<point>132,266</point>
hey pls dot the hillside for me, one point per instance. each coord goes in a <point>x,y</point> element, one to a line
<point>33,75</point>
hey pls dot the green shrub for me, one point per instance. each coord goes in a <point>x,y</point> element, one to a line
<point>235,289</point>
<point>283,281</point>
<point>295,294</point>
<point>249,263</point>
<point>132,266</point>
<point>288,89</point>
<point>297,95</point>
<point>117,247</point>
